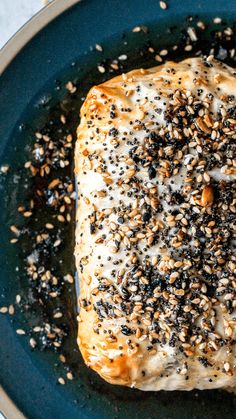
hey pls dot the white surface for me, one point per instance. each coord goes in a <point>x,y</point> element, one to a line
<point>14,13</point>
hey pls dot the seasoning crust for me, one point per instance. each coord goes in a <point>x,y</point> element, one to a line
<point>155,236</point>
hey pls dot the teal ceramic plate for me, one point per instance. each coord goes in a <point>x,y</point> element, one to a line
<point>58,45</point>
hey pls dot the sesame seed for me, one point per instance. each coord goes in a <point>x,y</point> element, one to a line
<point>20,332</point>
<point>226,366</point>
<point>62,358</point>
<point>3,310</point>
<point>49,226</point>
<point>192,34</point>
<point>69,278</point>
<point>217,20</point>
<point>4,168</point>
<point>101,69</point>
<point>37,329</point>
<point>71,87</point>
<point>160,213</point>
<point>163,52</point>
<point>99,47</point>
<point>11,310</point>
<point>137,29</point>
<point>15,230</point>
<point>158,58</point>
<point>32,342</point>
<point>18,299</point>
<point>27,214</point>
<point>57,315</point>
<point>122,57</point>
<point>163,5</point>
<point>188,48</point>
<point>57,243</point>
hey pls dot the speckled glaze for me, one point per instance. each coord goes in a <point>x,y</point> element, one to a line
<point>30,377</point>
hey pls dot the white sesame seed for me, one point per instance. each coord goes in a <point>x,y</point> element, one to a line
<point>192,34</point>
<point>228,297</point>
<point>4,169</point>
<point>70,376</point>
<point>226,366</point>
<point>69,278</point>
<point>62,358</point>
<point>61,381</point>
<point>158,58</point>
<point>137,29</point>
<point>122,57</point>
<point>188,48</point>
<point>32,342</point>
<point>58,315</point>
<point>37,329</point>
<point>206,177</point>
<point>99,47</point>
<point>101,69</point>
<point>3,310</point>
<point>20,332</point>
<point>57,243</point>
<point>18,299</point>
<point>27,214</point>
<point>163,52</point>
<point>15,230</point>
<point>201,25</point>
<point>163,5</point>
<point>210,58</point>
<point>70,87</point>
<point>228,31</point>
<point>11,309</point>
<point>228,331</point>
<point>63,119</point>
<point>217,20</point>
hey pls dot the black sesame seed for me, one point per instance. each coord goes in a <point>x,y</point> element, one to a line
<point>126,330</point>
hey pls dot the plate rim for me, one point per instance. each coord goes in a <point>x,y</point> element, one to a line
<point>7,407</point>
<point>7,54</point>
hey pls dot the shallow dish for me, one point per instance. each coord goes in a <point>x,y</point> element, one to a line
<point>61,46</point>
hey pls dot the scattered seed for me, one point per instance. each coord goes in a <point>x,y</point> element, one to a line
<point>5,168</point>
<point>27,214</point>
<point>99,47</point>
<point>101,69</point>
<point>11,309</point>
<point>69,278</point>
<point>61,381</point>
<point>33,342</point>
<point>163,5</point>
<point>217,20</point>
<point>18,299</point>
<point>20,332</point>
<point>49,226</point>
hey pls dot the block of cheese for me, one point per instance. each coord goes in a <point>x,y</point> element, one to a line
<point>155,237</point>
